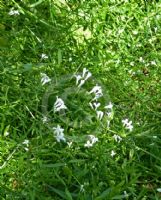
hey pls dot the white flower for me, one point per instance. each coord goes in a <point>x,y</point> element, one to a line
<point>132,63</point>
<point>125,122</point>
<point>125,194</point>
<point>69,144</point>
<point>158,189</point>
<point>97,90</point>
<point>82,79</point>
<point>13,12</point>
<point>44,119</point>
<point>60,137</point>
<point>59,133</point>
<point>99,114</point>
<point>128,124</point>
<point>91,105</point>
<point>95,105</point>
<point>44,79</point>
<point>108,123</point>
<point>26,142</point>
<point>26,149</point>
<point>82,188</point>
<point>117,138</point>
<point>130,127</point>
<point>84,76</point>
<point>59,105</point>
<point>58,129</point>
<point>109,114</point>
<point>84,72</point>
<point>44,56</point>
<point>6,133</point>
<point>81,83</point>
<point>78,78</point>
<point>141,59</point>
<point>153,62</point>
<point>113,153</point>
<point>155,29</point>
<point>92,140</point>
<point>109,106</point>
<point>88,144</point>
<point>89,74</point>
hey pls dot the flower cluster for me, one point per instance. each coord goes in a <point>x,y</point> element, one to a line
<point>44,79</point>
<point>13,12</point>
<point>59,105</point>
<point>59,133</point>
<point>94,104</point>
<point>26,145</point>
<point>97,91</point>
<point>127,124</point>
<point>44,56</point>
<point>92,140</point>
<point>117,138</point>
<point>81,79</point>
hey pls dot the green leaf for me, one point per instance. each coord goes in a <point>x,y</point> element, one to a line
<point>27,67</point>
<point>119,197</point>
<point>53,165</point>
<point>59,57</point>
<point>68,194</point>
<point>104,195</point>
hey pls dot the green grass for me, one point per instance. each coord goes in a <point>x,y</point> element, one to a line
<point>119,42</point>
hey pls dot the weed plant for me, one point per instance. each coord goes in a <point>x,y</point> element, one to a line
<point>80,99</point>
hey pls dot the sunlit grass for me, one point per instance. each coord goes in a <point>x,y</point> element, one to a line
<point>46,48</point>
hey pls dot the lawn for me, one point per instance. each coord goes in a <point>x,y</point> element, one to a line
<point>80,99</point>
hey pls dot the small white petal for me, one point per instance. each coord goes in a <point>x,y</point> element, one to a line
<point>81,83</point>
<point>108,123</point>
<point>96,105</point>
<point>125,121</point>
<point>117,138</point>
<point>88,144</point>
<point>93,139</point>
<point>97,90</point>
<point>78,78</point>
<point>59,133</point>
<point>44,56</point>
<point>158,189</point>
<point>69,144</point>
<point>91,105</point>
<point>58,129</point>
<point>6,133</point>
<point>82,188</point>
<point>88,76</point>
<point>84,72</point>
<point>44,79</point>
<point>59,105</point>
<point>99,114</point>
<point>44,119</point>
<point>13,12</point>
<point>26,142</point>
<point>128,124</point>
<point>109,106</point>
<point>113,153</point>
<point>109,114</point>
<point>153,62</point>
